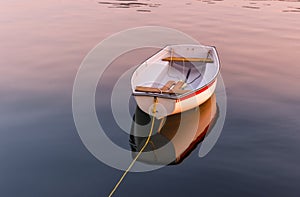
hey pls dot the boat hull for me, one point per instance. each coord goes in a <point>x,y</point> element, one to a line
<point>180,76</point>
<point>168,106</point>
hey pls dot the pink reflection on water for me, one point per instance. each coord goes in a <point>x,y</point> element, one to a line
<point>43,43</point>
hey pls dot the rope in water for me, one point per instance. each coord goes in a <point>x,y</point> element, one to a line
<point>142,149</point>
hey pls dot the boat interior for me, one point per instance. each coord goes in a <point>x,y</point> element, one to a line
<point>176,71</point>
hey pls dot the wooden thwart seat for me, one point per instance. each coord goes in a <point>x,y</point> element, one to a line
<point>171,87</point>
<point>178,85</point>
<point>184,59</point>
<point>168,85</point>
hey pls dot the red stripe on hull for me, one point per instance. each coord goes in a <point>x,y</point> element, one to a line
<point>196,93</point>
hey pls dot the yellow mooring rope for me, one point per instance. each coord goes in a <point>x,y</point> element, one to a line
<point>140,152</point>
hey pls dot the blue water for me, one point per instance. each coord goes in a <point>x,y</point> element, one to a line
<point>43,44</point>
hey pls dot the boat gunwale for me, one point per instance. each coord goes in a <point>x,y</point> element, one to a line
<point>174,96</point>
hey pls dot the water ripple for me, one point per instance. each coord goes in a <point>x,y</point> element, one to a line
<point>262,3</point>
<point>250,7</point>
<point>281,5</point>
<point>142,6</point>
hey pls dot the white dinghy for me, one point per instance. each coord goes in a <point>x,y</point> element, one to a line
<point>181,77</point>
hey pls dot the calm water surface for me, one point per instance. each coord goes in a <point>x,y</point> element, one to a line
<point>43,44</point>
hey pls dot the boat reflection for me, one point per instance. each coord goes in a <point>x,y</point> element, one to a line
<point>174,137</point>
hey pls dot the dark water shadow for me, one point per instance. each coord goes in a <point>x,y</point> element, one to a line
<point>175,137</point>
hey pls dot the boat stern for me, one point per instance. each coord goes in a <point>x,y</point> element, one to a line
<point>164,107</point>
